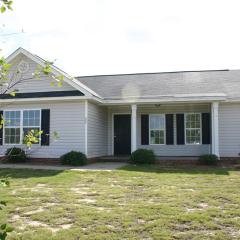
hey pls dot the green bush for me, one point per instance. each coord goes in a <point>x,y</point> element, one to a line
<point>74,158</point>
<point>143,156</point>
<point>208,159</point>
<point>15,155</point>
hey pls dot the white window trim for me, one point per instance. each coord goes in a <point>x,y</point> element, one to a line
<point>149,134</point>
<point>21,125</point>
<point>11,144</point>
<point>185,128</point>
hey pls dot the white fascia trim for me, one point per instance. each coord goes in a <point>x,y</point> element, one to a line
<point>233,100</point>
<point>42,99</point>
<point>160,100</point>
<point>112,102</point>
<point>67,78</point>
<point>200,95</point>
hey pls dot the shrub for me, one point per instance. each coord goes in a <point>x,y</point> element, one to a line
<point>74,158</point>
<point>208,159</point>
<point>16,155</point>
<point>143,156</point>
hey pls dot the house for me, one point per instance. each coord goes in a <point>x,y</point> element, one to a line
<point>174,113</point>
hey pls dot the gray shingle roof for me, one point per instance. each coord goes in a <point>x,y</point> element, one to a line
<point>165,84</point>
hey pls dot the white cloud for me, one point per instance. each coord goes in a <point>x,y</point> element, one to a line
<point>123,36</point>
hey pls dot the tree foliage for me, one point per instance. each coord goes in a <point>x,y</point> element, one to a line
<point>5,5</point>
<point>9,81</point>
<point>8,85</point>
<point>4,227</point>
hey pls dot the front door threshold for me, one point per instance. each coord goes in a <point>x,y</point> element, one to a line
<point>115,158</point>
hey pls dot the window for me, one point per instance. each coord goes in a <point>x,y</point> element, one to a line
<point>157,129</point>
<point>18,123</point>
<point>12,127</point>
<point>193,128</point>
<point>31,121</point>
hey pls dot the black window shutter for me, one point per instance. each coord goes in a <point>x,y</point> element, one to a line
<point>180,129</point>
<point>45,127</point>
<point>1,128</point>
<point>145,129</point>
<point>169,129</point>
<point>206,128</point>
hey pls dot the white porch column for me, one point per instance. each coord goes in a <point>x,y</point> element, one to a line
<point>134,128</point>
<point>86,128</point>
<point>215,135</point>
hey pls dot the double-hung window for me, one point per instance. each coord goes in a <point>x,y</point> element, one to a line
<point>157,129</point>
<point>193,128</point>
<point>18,123</point>
<point>31,121</point>
<point>12,127</point>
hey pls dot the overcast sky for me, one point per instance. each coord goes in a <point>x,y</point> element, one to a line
<point>88,37</point>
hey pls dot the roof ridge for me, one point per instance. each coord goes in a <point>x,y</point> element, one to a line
<point>124,74</point>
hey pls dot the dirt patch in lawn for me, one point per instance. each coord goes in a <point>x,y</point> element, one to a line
<point>23,222</point>
<point>34,211</point>
<point>87,200</point>
<point>137,202</point>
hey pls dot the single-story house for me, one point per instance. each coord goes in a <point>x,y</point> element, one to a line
<point>177,114</point>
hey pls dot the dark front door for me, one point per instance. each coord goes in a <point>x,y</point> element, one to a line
<point>122,134</point>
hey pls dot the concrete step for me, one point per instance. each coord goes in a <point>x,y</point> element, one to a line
<point>114,159</point>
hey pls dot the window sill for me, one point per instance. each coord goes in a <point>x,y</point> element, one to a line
<point>163,144</point>
<point>193,144</point>
<point>19,144</point>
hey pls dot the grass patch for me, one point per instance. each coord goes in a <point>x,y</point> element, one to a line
<point>136,202</point>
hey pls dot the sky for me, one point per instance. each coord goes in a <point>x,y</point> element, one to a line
<point>91,37</point>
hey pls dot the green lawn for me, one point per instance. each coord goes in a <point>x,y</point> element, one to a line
<point>148,202</point>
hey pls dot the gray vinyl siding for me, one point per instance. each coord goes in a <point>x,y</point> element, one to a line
<point>161,150</point>
<point>67,119</point>
<point>97,130</point>
<point>229,129</point>
<point>33,84</point>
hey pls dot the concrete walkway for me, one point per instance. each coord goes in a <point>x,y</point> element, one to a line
<point>91,167</point>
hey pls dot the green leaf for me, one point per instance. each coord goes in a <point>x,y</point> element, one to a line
<point>4,182</point>
<point>3,226</point>
<point>46,70</point>
<point>3,9</point>
<point>9,6</point>
<point>6,66</point>
<point>13,93</point>
<point>60,77</point>
<point>9,229</point>
<point>3,203</point>
<point>55,135</point>
<point>2,61</point>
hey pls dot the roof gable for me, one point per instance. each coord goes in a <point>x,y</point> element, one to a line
<point>69,83</point>
<point>26,82</point>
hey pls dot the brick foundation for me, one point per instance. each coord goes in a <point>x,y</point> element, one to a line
<point>177,162</point>
<point>164,161</point>
<point>230,160</point>
<point>44,161</point>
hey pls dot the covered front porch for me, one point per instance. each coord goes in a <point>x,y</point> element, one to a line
<point>170,130</point>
